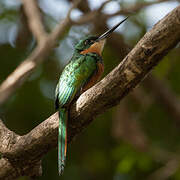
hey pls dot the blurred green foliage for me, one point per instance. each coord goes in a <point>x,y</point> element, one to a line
<point>96,153</point>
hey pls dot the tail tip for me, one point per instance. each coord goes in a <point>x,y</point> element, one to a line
<point>61,168</point>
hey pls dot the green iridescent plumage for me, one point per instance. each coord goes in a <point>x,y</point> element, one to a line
<point>74,76</point>
<point>81,73</point>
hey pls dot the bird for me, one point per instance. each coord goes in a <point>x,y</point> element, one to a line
<point>82,72</point>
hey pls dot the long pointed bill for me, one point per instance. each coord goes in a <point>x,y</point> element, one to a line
<point>107,33</point>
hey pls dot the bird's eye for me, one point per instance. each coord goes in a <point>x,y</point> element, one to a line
<point>88,41</point>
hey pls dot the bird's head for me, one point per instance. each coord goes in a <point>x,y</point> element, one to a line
<point>95,44</point>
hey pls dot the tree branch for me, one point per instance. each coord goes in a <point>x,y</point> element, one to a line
<point>128,128</point>
<point>124,11</point>
<point>135,8</point>
<point>34,20</point>
<point>164,95</point>
<point>18,77</point>
<point>167,171</point>
<point>24,70</point>
<point>7,137</point>
<point>30,148</point>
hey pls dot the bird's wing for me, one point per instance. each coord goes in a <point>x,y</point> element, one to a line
<point>56,97</point>
<point>73,77</point>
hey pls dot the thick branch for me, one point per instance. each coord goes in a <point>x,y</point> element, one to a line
<point>105,94</point>
<point>10,170</point>
<point>146,54</point>
<point>7,137</point>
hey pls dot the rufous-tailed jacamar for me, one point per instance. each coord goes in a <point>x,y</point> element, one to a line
<point>82,72</point>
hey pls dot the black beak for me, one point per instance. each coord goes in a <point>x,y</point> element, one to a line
<point>107,33</point>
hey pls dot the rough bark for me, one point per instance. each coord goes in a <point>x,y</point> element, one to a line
<point>23,151</point>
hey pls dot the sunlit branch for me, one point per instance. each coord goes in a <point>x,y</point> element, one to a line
<point>156,43</point>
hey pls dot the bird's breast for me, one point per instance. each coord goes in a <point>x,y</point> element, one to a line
<point>95,77</point>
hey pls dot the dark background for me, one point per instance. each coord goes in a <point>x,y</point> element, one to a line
<point>138,139</point>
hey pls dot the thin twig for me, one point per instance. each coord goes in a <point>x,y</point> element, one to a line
<point>166,171</point>
<point>60,28</point>
<point>104,4</point>
<point>34,19</point>
<point>23,71</point>
<point>164,94</point>
<point>135,8</point>
<point>124,11</point>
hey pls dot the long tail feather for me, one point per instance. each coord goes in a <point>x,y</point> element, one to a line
<point>62,139</point>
